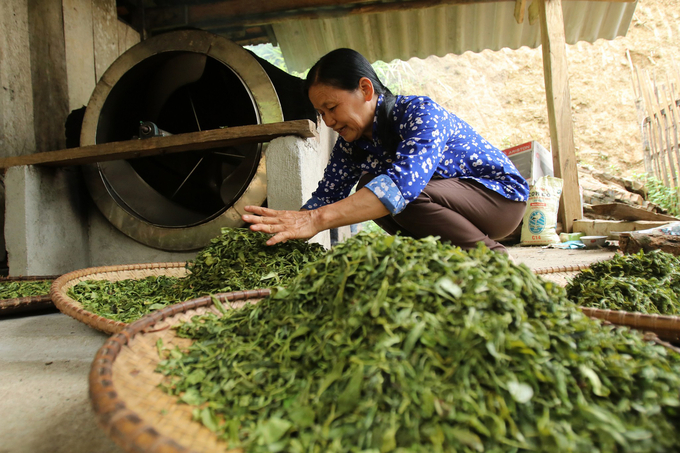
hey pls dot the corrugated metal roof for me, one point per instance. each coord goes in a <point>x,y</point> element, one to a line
<point>442,30</point>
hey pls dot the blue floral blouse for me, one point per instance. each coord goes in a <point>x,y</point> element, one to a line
<point>434,142</point>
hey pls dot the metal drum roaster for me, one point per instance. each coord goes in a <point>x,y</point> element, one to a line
<point>179,82</point>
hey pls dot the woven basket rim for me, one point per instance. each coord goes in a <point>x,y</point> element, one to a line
<point>74,309</point>
<point>20,278</point>
<point>561,269</point>
<point>666,327</point>
<point>125,427</point>
<point>26,303</point>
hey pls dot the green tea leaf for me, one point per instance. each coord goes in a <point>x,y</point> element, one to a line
<point>520,392</point>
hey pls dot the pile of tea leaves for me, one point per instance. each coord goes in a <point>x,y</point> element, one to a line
<point>237,260</point>
<point>396,344</point>
<point>641,282</point>
<point>24,288</point>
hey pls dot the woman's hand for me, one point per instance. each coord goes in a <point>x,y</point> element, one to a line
<point>284,225</point>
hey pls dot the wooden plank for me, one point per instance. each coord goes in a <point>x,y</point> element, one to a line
<point>647,132</point>
<point>79,44</point>
<point>48,74</point>
<point>621,211</point>
<point>612,228</point>
<point>192,141</point>
<point>652,125</point>
<point>127,37</point>
<point>671,96</point>
<point>16,95</point>
<point>253,13</point>
<point>640,111</point>
<point>668,116</point>
<point>105,35</point>
<point>634,242</point>
<point>559,109</point>
<point>656,121</point>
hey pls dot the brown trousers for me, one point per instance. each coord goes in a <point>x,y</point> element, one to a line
<point>460,211</point>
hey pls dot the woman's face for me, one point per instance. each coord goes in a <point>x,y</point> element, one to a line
<point>349,113</point>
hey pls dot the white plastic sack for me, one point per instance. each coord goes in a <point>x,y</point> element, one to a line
<point>540,218</point>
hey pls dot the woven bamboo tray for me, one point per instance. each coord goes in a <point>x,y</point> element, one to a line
<point>664,326</point>
<point>124,391</point>
<point>73,308</point>
<point>28,303</point>
<point>561,275</point>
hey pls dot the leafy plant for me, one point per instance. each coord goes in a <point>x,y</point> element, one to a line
<point>274,56</point>
<point>371,227</point>
<point>666,197</point>
<point>395,344</point>
<point>16,289</point>
<point>641,283</point>
<point>238,259</point>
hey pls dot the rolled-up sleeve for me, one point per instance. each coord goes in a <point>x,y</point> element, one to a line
<point>388,193</point>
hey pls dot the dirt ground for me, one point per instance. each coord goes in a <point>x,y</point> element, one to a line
<point>537,257</point>
<point>502,94</point>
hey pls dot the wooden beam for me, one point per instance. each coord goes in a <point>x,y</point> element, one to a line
<point>621,211</point>
<point>252,13</point>
<point>612,228</point>
<point>193,141</point>
<point>559,109</point>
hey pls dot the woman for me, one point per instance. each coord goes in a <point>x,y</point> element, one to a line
<point>421,170</point>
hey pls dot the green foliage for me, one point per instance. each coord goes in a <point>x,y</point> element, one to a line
<point>371,227</point>
<point>238,259</point>
<point>666,197</point>
<point>274,56</point>
<point>17,289</point>
<point>270,53</point>
<point>128,300</point>
<point>642,283</point>
<point>395,344</point>
<point>397,75</point>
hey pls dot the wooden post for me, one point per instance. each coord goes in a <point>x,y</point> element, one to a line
<point>105,35</point>
<point>16,95</point>
<point>559,109</point>
<point>79,43</point>
<point>673,96</point>
<point>48,73</point>
<point>669,124</point>
<point>127,37</point>
<point>640,110</point>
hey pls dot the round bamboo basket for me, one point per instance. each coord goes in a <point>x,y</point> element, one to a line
<point>561,274</point>
<point>28,303</point>
<point>124,392</point>
<point>664,326</point>
<point>73,308</point>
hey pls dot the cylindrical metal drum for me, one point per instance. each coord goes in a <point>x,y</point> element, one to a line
<point>174,83</point>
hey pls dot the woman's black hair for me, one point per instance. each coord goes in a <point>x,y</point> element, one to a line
<point>343,68</point>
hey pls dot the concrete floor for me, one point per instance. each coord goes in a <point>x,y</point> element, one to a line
<point>44,405</point>
<point>45,361</point>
